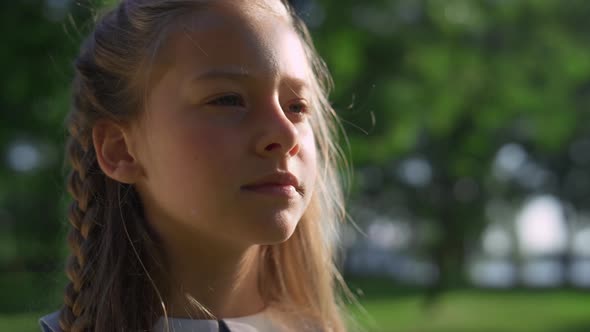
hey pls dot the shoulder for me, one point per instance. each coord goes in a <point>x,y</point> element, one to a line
<point>50,322</point>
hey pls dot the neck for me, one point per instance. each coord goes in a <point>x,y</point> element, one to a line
<point>224,282</point>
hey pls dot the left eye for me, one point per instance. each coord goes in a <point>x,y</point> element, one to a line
<point>299,107</point>
<point>228,100</point>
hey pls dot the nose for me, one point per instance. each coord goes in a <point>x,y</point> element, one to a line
<point>278,134</point>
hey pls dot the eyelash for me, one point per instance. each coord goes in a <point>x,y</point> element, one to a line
<point>223,100</point>
<point>303,105</point>
<point>236,100</point>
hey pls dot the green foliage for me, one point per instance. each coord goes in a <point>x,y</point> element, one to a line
<point>495,61</point>
<point>453,81</point>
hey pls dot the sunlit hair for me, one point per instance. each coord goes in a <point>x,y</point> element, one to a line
<point>116,269</point>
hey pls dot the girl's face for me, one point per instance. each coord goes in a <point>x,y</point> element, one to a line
<point>227,114</point>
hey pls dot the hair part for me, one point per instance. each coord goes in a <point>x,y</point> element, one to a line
<point>115,256</point>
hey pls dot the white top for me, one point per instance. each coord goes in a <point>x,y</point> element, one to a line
<point>259,322</point>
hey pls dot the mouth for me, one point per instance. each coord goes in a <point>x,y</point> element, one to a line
<point>274,190</point>
<point>279,183</point>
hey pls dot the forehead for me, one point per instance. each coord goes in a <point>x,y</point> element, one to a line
<point>254,36</point>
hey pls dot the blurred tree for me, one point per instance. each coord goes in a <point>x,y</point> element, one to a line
<point>38,47</point>
<point>453,81</point>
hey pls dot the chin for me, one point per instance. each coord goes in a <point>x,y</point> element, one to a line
<point>274,231</point>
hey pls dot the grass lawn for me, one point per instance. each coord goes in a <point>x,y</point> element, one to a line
<point>474,310</point>
<point>403,310</point>
<point>26,322</point>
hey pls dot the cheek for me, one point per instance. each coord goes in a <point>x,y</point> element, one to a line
<point>208,154</point>
<point>192,172</point>
<point>309,151</point>
<point>189,153</point>
<point>206,144</point>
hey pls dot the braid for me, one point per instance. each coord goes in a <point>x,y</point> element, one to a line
<point>113,252</point>
<point>84,185</point>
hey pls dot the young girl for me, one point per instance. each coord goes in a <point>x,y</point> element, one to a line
<point>206,194</point>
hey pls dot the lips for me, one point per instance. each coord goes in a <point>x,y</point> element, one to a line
<point>278,183</point>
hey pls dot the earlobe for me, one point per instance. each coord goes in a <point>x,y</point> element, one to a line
<point>113,153</point>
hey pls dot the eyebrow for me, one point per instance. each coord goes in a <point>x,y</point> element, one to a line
<point>241,73</point>
<point>229,72</point>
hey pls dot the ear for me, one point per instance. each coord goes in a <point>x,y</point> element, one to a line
<point>113,152</point>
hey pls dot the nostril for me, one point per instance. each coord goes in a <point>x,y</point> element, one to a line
<point>272,146</point>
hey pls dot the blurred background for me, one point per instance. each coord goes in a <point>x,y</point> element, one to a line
<point>469,133</point>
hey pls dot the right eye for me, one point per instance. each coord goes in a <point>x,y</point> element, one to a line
<point>228,100</point>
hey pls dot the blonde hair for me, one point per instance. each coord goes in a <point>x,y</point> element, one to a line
<point>114,254</point>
